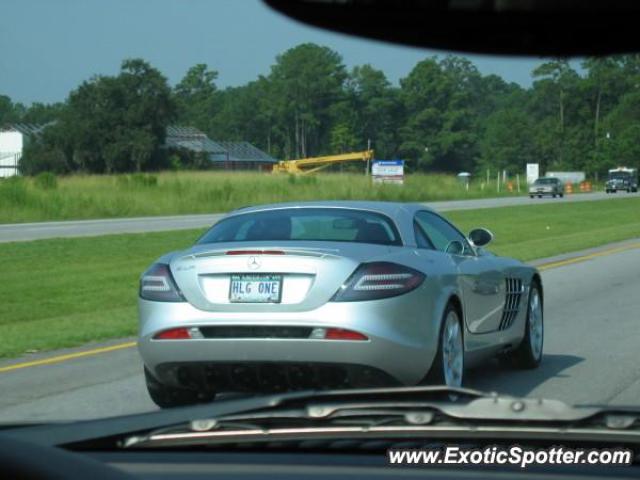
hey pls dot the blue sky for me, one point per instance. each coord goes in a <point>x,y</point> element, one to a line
<point>47,47</point>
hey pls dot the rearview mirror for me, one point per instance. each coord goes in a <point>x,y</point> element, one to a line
<point>521,27</point>
<point>480,237</point>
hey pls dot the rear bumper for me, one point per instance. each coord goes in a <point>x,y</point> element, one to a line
<point>268,377</point>
<point>402,341</point>
<point>550,192</point>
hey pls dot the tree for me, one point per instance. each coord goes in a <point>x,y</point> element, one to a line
<point>559,75</point>
<point>42,113</point>
<point>10,112</point>
<point>195,97</point>
<point>556,82</point>
<point>41,155</point>
<point>372,110</point>
<point>507,143</point>
<point>303,85</point>
<point>620,145</point>
<point>117,124</point>
<point>603,85</point>
<point>444,116</point>
<point>441,100</point>
<point>343,138</point>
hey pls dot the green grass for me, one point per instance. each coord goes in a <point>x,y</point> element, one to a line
<point>66,292</point>
<point>173,193</point>
<point>540,231</point>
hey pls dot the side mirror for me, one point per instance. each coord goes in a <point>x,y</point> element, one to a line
<point>480,237</point>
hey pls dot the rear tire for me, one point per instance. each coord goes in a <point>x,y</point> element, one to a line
<point>448,365</point>
<point>562,195</point>
<point>530,196</point>
<point>528,354</point>
<point>165,396</point>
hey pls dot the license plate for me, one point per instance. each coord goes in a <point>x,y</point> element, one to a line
<point>255,289</point>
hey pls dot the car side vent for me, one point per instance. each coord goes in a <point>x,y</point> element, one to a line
<point>514,290</point>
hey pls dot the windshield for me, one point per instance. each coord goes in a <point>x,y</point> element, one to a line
<point>619,175</point>
<point>308,224</point>
<point>203,199</point>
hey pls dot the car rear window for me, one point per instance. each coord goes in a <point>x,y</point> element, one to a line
<point>546,181</point>
<point>306,224</point>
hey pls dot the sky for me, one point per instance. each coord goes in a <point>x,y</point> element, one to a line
<point>48,47</point>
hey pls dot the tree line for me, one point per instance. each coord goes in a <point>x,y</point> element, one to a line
<point>444,116</point>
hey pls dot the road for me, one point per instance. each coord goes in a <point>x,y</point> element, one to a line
<point>18,232</point>
<point>591,345</point>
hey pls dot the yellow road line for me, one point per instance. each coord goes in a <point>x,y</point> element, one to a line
<point>69,356</point>
<point>121,346</point>
<point>582,258</point>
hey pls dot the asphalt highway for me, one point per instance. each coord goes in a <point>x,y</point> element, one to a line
<point>590,356</point>
<point>18,232</point>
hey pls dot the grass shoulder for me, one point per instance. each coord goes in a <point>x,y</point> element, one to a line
<point>79,197</point>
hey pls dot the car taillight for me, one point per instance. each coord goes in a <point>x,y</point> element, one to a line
<point>180,333</point>
<point>373,281</point>
<point>157,284</point>
<point>342,334</point>
<point>173,334</point>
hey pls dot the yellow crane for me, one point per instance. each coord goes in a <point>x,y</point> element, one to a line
<point>313,164</point>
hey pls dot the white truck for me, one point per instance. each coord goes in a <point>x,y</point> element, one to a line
<point>622,178</point>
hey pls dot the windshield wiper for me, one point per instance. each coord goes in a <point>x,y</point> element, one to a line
<point>397,412</point>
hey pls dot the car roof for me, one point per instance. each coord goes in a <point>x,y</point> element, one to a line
<point>388,208</point>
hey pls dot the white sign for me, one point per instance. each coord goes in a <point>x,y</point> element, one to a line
<point>388,171</point>
<point>533,172</point>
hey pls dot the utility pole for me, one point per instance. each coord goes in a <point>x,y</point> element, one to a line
<point>366,173</point>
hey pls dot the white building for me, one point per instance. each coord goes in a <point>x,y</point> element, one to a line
<point>12,142</point>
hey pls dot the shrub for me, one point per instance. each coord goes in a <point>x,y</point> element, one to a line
<point>13,191</point>
<point>144,180</point>
<point>46,181</point>
<point>175,163</point>
<point>38,157</point>
<point>137,180</point>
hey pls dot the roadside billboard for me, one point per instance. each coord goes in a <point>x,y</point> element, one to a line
<point>388,171</point>
<point>533,172</point>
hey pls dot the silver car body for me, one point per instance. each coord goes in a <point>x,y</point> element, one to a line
<point>402,331</point>
<point>546,186</point>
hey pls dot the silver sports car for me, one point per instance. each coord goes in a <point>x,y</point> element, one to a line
<point>329,295</point>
